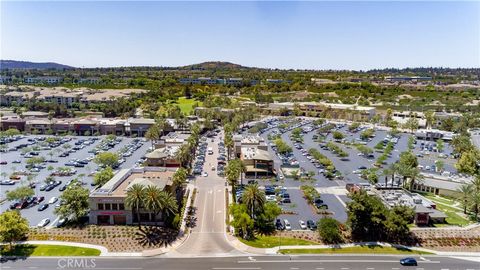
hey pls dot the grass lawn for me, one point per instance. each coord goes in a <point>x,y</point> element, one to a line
<point>273,241</point>
<point>48,250</point>
<point>352,250</point>
<point>186,104</point>
<point>452,217</point>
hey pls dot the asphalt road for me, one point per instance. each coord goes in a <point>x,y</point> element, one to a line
<point>208,237</point>
<point>32,214</point>
<point>275,262</point>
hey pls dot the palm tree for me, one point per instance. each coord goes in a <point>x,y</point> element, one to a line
<point>183,155</point>
<point>152,200</point>
<point>169,204</point>
<point>134,200</point>
<point>179,179</point>
<point>254,199</point>
<point>153,133</point>
<point>475,196</point>
<point>232,172</point>
<point>228,139</point>
<point>465,196</point>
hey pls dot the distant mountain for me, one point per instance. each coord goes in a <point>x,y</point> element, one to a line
<point>215,65</point>
<point>12,64</point>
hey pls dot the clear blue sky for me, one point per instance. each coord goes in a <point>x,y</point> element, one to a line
<point>312,35</point>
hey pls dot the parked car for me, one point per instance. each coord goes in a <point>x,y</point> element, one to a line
<point>279,225</point>
<point>61,222</point>
<point>42,207</point>
<point>303,225</point>
<point>53,200</point>
<point>44,222</point>
<point>311,225</point>
<point>288,227</point>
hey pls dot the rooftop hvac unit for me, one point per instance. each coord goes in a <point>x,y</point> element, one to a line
<point>417,200</point>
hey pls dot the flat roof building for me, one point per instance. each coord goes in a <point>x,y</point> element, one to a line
<point>107,203</point>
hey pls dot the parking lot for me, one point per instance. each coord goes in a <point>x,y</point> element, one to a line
<point>333,193</point>
<point>77,165</point>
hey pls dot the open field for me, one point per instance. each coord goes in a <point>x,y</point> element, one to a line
<point>186,104</point>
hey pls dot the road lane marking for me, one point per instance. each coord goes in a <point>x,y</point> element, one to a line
<point>320,268</point>
<point>370,268</point>
<point>344,268</point>
<point>320,261</point>
<point>236,268</point>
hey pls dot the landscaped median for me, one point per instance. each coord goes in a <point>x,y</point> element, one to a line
<point>26,250</point>
<point>274,241</point>
<point>369,249</point>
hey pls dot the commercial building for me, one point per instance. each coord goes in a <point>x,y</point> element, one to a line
<point>441,185</point>
<point>166,148</point>
<point>253,151</point>
<point>434,134</point>
<point>402,117</point>
<point>107,203</point>
<point>425,210</point>
<point>15,122</point>
<point>330,110</point>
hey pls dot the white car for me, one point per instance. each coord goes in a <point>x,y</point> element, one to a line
<point>271,198</point>
<point>204,174</point>
<point>53,200</point>
<point>303,226</point>
<point>44,222</point>
<point>288,227</point>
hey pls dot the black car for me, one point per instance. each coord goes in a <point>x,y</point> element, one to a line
<point>311,225</point>
<point>49,187</point>
<point>279,225</point>
<point>408,262</point>
<point>321,206</point>
<point>43,207</point>
<point>62,188</point>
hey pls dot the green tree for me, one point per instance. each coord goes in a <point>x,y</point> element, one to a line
<point>74,203</point>
<point>465,195</point>
<point>241,221</point>
<point>329,230</point>
<point>337,135</point>
<point>468,162</point>
<point>106,159</point>
<point>179,179</point>
<point>103,176</point>
<point>134,200</point>
<point>19,193</point>
<point>440,145</point>
<point>254,199</point>
<point>13,227</point>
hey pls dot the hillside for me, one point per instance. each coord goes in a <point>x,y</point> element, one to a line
<point>12,64</point>
<point>215,65</point>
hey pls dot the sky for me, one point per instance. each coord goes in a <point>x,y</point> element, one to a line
<point>299,35</point>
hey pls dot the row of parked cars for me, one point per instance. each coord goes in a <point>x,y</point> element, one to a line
<point>284,224</point>
<point>200,157</point>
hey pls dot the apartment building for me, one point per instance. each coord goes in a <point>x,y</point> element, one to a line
<point>107,203</point>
